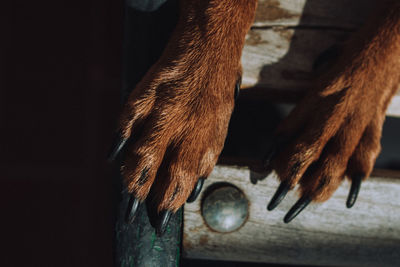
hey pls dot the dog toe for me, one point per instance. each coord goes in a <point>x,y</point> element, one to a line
<point>362,161</point>
<point>330,146</point>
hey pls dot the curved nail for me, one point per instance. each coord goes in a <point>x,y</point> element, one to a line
<point>253,180</point>
<point>162,222</point>
<point>116,147</point>
<point>277,144</point>
<point>270,155</point>
<point>237,88</point>
<point>297,208</point>
<point>279,195</point>
<point>132,209</point>
<point>196,191</point>
<point>354,189</point>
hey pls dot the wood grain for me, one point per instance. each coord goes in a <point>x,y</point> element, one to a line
<point>287,37</point>
<point>326,234</point>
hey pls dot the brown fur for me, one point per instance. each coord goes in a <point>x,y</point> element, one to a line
<point>177,116</point>
<point>335,130</point>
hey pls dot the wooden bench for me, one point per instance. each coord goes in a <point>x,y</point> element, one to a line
<point>286,38</point>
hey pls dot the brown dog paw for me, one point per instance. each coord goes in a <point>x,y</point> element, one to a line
<point>335,130</point>
<point>173,126</point>
<point>332,133</point>
<point>175,121</point>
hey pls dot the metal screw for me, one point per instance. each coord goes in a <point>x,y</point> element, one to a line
<point>225,209</point>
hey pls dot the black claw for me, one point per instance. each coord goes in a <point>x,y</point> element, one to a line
<point>133,205</point>
<point>237,87</point>
<point>275,147</point>
<point>279,195</point>
<point>253,180</point>
<point>162,222</point>
<point>297,208</point>
<point>355,188</point>
<point>270,155</point>
<point>116,147</point>
<point>196,191</point>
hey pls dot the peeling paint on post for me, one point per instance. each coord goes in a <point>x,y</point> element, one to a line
<point>138,245</point>
<point>146,33</point>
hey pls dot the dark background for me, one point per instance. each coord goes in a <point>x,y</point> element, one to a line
<point>60,78</point>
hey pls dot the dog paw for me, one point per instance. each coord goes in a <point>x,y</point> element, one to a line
<point>173,128</point>
<point>333,133</point>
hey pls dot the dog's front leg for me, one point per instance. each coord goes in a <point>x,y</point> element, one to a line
<point>175,121</point>
<point>335,130</point>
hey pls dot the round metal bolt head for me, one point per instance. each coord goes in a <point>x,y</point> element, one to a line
<point>225,209</point>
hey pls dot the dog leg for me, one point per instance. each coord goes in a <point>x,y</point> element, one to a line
<point>175,121</point>
<point>335,130</point>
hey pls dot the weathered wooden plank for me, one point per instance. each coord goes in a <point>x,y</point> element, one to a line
<point>338,13</point>
<point>324,234</point>
<point>287,37</point>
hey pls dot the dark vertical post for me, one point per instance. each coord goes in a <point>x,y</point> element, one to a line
<point>148,25</point>
<point>138,245</point>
